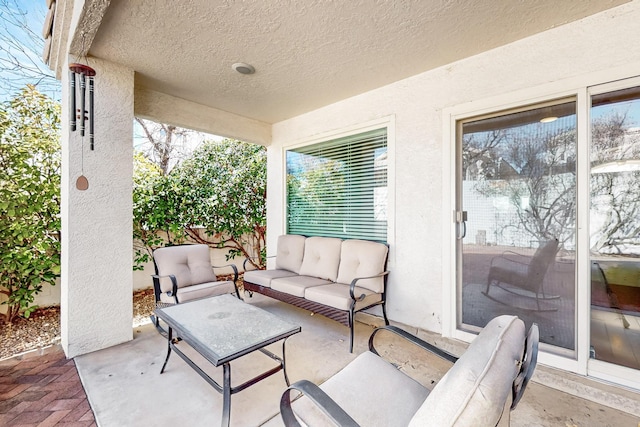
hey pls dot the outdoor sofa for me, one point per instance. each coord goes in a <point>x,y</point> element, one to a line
<point>329,276</point>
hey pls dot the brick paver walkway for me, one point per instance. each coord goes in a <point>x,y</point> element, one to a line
<point>42,388</point>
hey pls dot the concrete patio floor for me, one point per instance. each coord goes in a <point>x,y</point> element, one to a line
<point>125,388</point>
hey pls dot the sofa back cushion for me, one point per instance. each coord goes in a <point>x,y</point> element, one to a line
<point>474,391</point>
<point>362,258</point>
<point>191,264</point>
<point>321,257</point>
<point>290,252</point>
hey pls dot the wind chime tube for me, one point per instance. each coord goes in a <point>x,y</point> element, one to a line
<point>83,86</point>
<point>72,94</point>
<point>91,113</point>
<point>81,113</point>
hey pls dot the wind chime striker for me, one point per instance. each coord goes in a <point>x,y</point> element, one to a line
<point>81,76</point>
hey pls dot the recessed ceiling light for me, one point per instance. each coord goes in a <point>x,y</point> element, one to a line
<point>243,68</point>
<point>548,119</point>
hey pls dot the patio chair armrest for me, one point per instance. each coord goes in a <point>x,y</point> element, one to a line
<point>510,256</point>
<point>174,286</point>
<point>413,339</point>
<point>316,395</point>
<point>352,286</point>
<point>233,266</point>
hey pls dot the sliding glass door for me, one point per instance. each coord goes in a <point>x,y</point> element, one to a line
<point>614,228</point>
<point>516,214</point>
<point>525,177</point>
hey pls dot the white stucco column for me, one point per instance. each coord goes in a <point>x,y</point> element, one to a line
<point>97,280</point>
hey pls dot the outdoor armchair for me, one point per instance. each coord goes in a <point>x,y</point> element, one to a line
<point>184,273</point>
<point>480,389</point>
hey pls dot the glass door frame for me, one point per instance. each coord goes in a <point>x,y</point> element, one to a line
<point>598,368</point>
<point>582,89</point>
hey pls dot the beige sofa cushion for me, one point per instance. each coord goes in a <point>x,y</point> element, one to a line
<point>264,277</point>
<point>191,264</point>
<point>361,258</point>
<point>289,253</point>
<point>474,391</point>
<point>337,295</point>
<point>296,285</point>
<point>372,391</point>
<point>321,257</point>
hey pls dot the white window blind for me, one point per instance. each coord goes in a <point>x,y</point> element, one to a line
<point>338,188</point>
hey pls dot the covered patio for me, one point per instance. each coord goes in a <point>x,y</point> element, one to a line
<point>322,72</point>
<point>124,386</point>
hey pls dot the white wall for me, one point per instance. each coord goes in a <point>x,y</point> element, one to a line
<point>603,45</point>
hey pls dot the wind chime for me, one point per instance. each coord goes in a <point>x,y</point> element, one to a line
<point>81,76</point>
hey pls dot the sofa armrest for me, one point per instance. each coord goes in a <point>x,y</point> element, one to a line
<point>246,260</point>
<point>250,259</point>
<point>413,339</point>
<point>352,286</point>
<point>320,399</point>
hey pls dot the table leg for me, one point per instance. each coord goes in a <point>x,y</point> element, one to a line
<point>226,395</point>
<point>169,338</point>
<point>284,362</point>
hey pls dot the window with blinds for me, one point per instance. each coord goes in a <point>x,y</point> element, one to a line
<point>338,188</point>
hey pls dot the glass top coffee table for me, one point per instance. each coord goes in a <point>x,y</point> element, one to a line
<point>222,329</point>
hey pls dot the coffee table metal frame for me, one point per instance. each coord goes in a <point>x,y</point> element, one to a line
<point>173,319</point>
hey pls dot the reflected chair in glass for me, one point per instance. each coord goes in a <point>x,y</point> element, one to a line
<point>523,276</point>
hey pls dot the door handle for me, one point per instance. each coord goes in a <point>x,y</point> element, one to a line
<point>461,220</point>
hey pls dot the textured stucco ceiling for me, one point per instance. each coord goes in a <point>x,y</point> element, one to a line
<point>308,53</point>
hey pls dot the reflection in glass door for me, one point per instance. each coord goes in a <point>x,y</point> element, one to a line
<point>516,209</point>
<point>615,227</point>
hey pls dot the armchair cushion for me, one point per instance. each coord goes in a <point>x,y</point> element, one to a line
<point>474,391</point>
<point>377,394</point>
<point>202,290</point>
<point>190,264</point>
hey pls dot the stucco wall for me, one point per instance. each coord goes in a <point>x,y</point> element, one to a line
<point>96,281</point>
<point>603,44</point>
